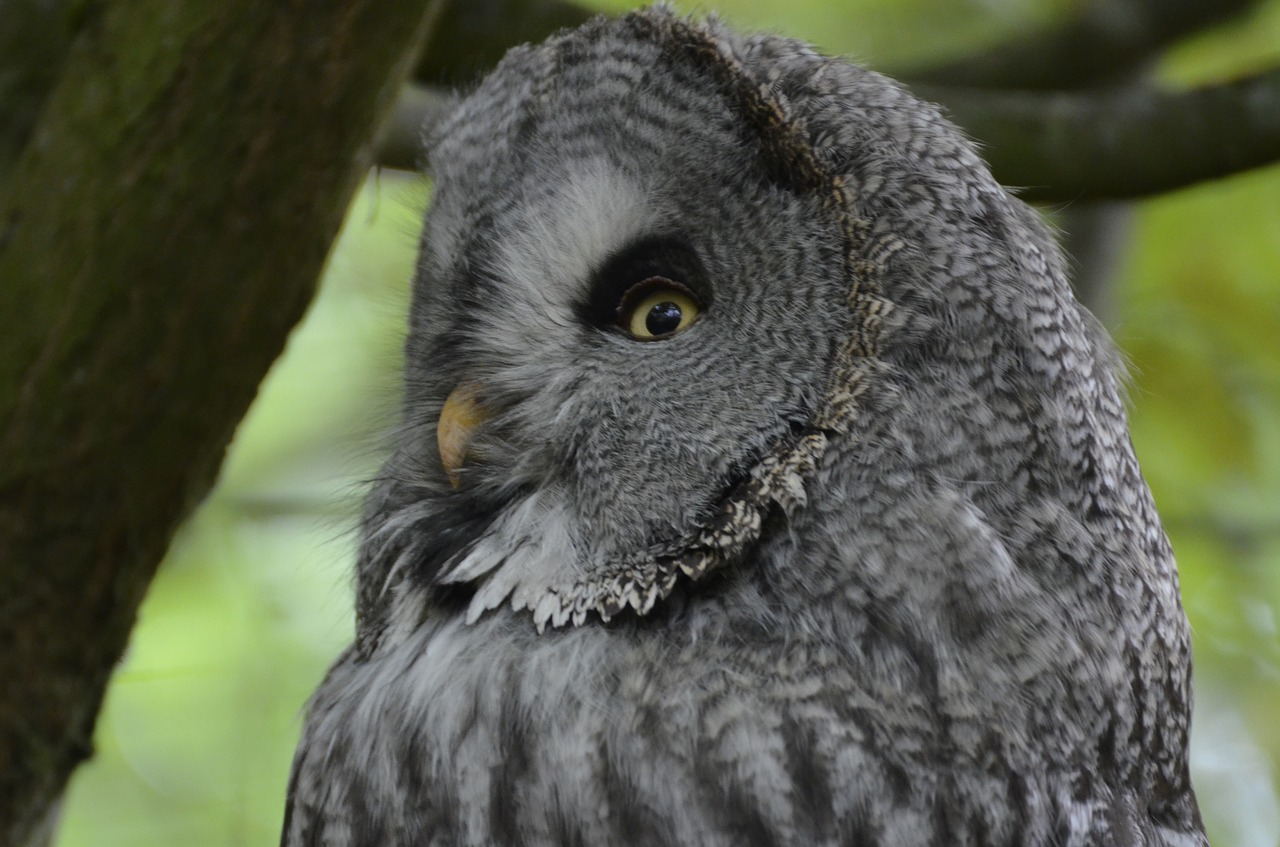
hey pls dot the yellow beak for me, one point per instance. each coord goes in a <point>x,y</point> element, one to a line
<point>461,414</point>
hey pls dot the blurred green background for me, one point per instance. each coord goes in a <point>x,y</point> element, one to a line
<point>254,599</point>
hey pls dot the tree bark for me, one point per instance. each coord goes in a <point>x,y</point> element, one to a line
<point>159,235</point>
<point>35,37</point>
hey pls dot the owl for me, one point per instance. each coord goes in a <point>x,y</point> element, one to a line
<point>759,482</point>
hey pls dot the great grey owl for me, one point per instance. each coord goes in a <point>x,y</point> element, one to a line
<point>760,483</point>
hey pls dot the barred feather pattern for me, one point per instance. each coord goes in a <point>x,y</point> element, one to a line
<point>864,557</point>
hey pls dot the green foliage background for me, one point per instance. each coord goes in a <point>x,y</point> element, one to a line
<point>194,743</point>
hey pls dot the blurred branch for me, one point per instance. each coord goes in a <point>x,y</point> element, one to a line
<point>400,143</point>
<point>160,234</point>
<point>1095,236</point>
<point>1112,39</point>
<point>1128,143</point>
<point>472,36</point>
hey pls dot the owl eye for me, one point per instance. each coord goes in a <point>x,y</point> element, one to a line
<point>657,308</point>
<point>650,290</point>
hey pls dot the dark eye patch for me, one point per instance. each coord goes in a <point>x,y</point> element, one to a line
<point>655,257</point>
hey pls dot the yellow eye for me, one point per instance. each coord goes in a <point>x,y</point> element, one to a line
<point>657,308</point>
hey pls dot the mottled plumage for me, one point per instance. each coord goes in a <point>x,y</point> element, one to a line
<point>860,557</point>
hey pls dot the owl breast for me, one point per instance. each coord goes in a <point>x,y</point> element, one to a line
<point>724,719</point>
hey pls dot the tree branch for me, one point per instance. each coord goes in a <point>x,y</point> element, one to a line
<point>474,35</point>
<point>1110,41</point>
<point>1123,144</point>
<point>159,236</point>
<point>400,143</point>
<point>1096,237</point>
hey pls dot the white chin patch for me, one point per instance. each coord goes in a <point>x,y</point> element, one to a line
<point>527,554</point>
<point>530,556</point>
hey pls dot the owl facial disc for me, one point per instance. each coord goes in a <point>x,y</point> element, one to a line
<point>535,550</point>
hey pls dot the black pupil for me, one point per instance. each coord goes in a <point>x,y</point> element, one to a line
<point>663,318</point>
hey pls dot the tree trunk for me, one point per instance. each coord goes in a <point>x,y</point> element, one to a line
<point>160,234</point>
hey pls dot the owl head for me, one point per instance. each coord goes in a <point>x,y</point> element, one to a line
<point>683,294</point>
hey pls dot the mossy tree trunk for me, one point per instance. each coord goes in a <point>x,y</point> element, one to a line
<point>161,231</point>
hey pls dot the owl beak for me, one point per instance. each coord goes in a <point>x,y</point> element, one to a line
<point>461,414</point>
